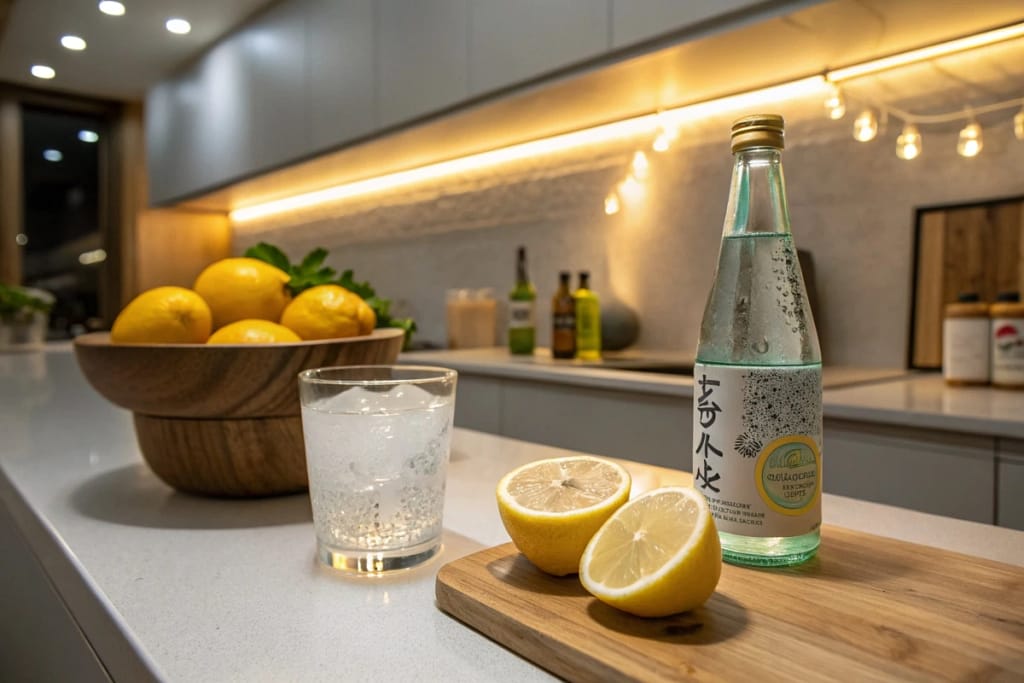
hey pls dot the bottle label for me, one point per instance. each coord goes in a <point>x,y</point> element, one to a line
<point>965,349</point>
<point>520,314</point>
<point>1008,350</point>
<point>757,447</point>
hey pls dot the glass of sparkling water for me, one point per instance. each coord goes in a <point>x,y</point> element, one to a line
<point>377,443</point>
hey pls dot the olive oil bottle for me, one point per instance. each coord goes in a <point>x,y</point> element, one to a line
<point>563,320</point>
<point>521,325</point>
<point>588,320</point>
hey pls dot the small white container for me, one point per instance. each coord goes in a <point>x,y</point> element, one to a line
<point>1007,341</point>
<point>965,341</point>
<point>471,316</point>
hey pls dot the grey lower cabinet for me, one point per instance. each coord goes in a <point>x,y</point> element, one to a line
<point>1010,475</point>
<point>943,473</point>
<point>939,472</point>
<point>619,424</point>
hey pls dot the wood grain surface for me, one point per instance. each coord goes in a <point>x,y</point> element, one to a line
<point>222,420</point>
<point>865,609</point>
<point>219,381</point>
<point>231,458</point>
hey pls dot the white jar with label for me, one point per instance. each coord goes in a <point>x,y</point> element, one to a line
<point>1007,341</point>
<point>965,341</point>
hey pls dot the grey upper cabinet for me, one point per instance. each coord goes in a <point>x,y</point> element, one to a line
<point>634,21</point>
<point>514,41</point>
<point>275,52</point>
<point>422,57</point>
<point>341,68</point>
<point>307,76</point>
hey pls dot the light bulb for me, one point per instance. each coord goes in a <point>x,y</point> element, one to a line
<point>865,126</point>
<point>908,144</point>
<point>611,203</point>
<point>43,71</point>
<point>631,189</point>
<point>640,166</point>
<point>179,26</point>
<point>835,105</point>
<point>1018,125</point>
<point>666,136</point>
<point>970,142</point>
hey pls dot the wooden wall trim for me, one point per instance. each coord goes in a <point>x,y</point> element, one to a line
<point>10,191</point>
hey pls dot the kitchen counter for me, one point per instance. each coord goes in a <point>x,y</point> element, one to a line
<point>617,370</point>
<point>880,395</point>
<point>168,586</point>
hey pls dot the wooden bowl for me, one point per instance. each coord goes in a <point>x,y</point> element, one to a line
<point>222,420</point>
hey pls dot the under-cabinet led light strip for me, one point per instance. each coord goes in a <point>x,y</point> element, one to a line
<point>618,130</point>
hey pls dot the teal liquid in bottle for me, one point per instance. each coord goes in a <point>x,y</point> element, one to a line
<point>757,430</point>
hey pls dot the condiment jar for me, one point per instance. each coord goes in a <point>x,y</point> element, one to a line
<point>1007,341</point>
<point>965,345</point>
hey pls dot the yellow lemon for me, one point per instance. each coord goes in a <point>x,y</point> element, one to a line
<point>253,332</point>
<point>657,555</point>
<point>243,288</point>
<point>551,508</point>
<point>163,315</point>
<point>328,312</point>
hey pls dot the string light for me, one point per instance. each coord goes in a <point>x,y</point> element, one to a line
<point>611,203</point>
<point>1018,125</point>
<point>835,104</point>
<point>640,166</point>
<point>969,142</point>
<point>908,144</point>
<point>865,126</point>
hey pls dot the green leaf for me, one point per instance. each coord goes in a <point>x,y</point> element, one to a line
<point>313,260</point>
<point>269,254</point>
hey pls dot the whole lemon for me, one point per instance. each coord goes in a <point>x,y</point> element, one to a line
<point>252,332</point>
<point>243,288</point>
<point>163,315</point>
<point>328,312</point>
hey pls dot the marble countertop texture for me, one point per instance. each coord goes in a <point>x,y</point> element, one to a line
<point>883,395</point>
<point>176,587</point>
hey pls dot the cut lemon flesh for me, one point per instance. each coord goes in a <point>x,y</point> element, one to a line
<point>551,508</point>
<point>657,555</point>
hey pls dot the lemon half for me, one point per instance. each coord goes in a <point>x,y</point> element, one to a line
<point>657,555</point>
<point>551,508</point>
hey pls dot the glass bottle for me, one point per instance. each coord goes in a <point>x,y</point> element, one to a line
<point>757,377</point>
<point>588,320</point>
<point>563,320</point>
<point>521,326</point>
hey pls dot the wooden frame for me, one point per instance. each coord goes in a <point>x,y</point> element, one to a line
<point>936,231</point>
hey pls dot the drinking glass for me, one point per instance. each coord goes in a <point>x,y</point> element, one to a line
<point>377,444</point>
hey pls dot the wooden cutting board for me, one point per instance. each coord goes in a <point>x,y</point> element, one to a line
<point>867,608</point>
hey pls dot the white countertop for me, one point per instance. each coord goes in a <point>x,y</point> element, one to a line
<point>191,589</point>
<point>882,395</point>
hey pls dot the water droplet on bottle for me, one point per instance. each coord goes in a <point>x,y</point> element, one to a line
<point>761,346</point>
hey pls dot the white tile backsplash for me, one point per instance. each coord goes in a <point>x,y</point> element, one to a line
<point>851,204</point>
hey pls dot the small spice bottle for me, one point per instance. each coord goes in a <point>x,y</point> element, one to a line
<point>1007,341</point>
<point>965,341</point>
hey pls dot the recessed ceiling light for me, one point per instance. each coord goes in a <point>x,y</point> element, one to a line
<point>42,71</point>
<point>72,42</point>
<point>52,155</point>
<point>88,135</point>
<point>179,26</point>
<point>112,7</point>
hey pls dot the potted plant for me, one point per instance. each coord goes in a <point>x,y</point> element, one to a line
<point>24,316</point>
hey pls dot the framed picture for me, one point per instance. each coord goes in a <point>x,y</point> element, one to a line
<point>977,247</point>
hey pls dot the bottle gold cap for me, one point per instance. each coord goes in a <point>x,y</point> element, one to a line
<point>759,130</point>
